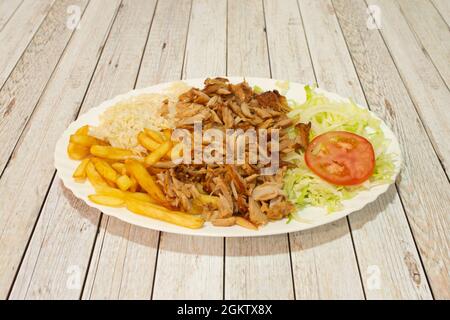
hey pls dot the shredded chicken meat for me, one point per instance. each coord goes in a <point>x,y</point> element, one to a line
<point>233,190</point>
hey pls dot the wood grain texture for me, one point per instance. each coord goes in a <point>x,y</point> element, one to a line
<point>388,259</point>
<point>372,222</point>
<point>18,213</point>
<point>431,31</point>
<point>334,72</point>
<point>27,81</point>
<point>7,10</point>
<point>423,186</point>
<point>62,239</point>
<point>16,35</point>
<point>189,268</point>
<point>115,73</point>
<point>331,60</point>
<point>123,262</point>
<point>255,268</point>
<point>286,20</point>
<point>164,53</point>
<point>425,85</point>
<point>206,43</point>
<point>247,45</point>
<point>131,248</point>
<point>443,6</point>
<point>385,220</point>
<point>192,267</point>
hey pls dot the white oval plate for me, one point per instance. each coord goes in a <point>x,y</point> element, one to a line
<point>315,216</point>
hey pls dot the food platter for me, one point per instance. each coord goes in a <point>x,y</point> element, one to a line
<point>313,216</point>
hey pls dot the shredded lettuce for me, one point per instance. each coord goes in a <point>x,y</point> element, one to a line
<point>301,185</point>
<point>257,89</point>
<point>282,86</point>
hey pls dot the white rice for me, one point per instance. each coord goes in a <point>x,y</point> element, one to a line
<point>121,123</point>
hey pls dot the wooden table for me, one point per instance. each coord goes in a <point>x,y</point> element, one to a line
<point>393,57</point>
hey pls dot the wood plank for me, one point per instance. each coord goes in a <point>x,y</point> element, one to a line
<point>60,246</point>
<point>133,249</point>
<point>431,31</point>
<point>423,186</point>
<point>316,254</point>
<point>443,6</point>
<point>19,212</point>
<point>426,87</point>
<point>289,55</point>
<point>22,90</point>
<point>332,62</point>
<point>206,43</point>
<point>164,53</point>
<point>130,249</point>
<point>319,247</point>
<point>189,268</point>
<point>123,262</point>
<point>7,10</point>
<point>388,259</point>
<point>378,220</point>
<point>247,45</point>
<point>16,35</point>
<point>255,268</point>
<point>116,73</point>
<point>192,267</point>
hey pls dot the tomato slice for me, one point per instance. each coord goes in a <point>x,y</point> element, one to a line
<point>341,158</point>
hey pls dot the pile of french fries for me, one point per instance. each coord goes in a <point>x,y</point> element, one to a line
<point>123,179</point>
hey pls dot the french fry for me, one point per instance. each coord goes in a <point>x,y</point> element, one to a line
<point>204,199</point>
<point>145,180</point>
<point>134,184</point>
<point>117,193</point>
<point>139,196</point>
<point>167,134</point>
<point>110,183</point>
<point>156,155</point>
<point>83,131</point>
<point>110,161</point>
<point>151,145</point>
<point>168,155</point>
<point>164,165</point>
<point>85,141</point>
<point>119,167</point>
<point>106,200</point>
<point>79,174</point>
<point>224,222</point>
<point>245,223</point>
<point>77,152</point>
<point>105,170</point>
<point>157,212</point>
<point>93,176</point>
<point>154,170</point>
<point>147,142</point>
<point>109,191</point>
<point>196,208</point>
<point>124,182</point>
<point>112,153</point>
<point>155,135</point>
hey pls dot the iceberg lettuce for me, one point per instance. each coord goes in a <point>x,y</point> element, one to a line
<point>301,185</point>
